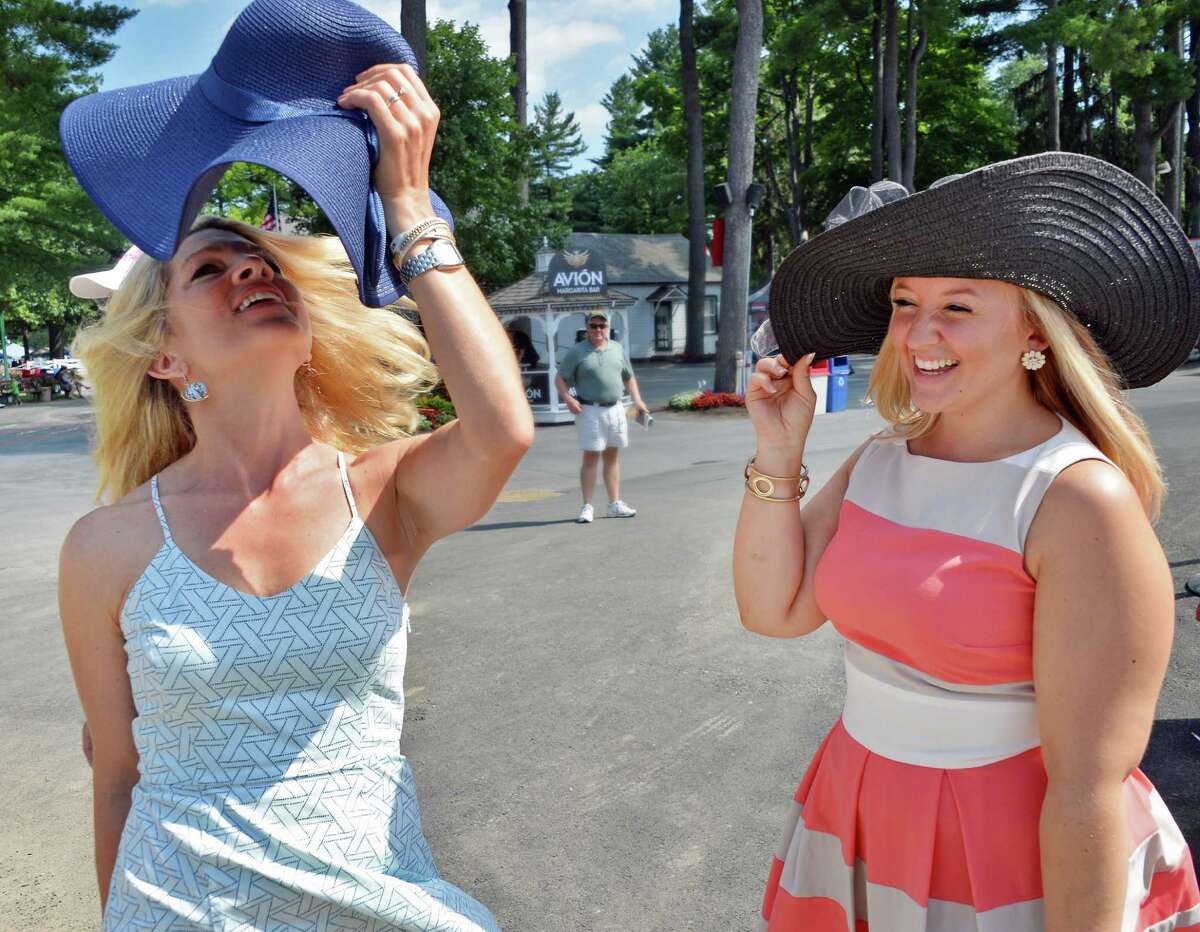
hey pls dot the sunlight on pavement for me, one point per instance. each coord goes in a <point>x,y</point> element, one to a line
<point>527,495</point>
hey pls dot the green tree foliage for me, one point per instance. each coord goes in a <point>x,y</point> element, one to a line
<point>557,138</point>
<point>626,120</point>
<point>49,53</point>
<point>555,141</point>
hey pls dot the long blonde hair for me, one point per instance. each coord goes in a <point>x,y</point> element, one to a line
<point>368,364</point>
<point>1077,383</point>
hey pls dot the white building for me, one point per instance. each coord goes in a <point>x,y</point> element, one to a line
<point>640,280</point>
<point>652,269</point>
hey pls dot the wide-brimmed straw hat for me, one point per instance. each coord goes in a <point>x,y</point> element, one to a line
<point>150,156</point>
<point>1074,228</point>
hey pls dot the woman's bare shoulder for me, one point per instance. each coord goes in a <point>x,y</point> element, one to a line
<point>1091,511</point>
<point>107,549</point>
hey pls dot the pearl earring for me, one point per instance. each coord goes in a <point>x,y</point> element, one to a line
<point>1033,359</point>
<point>195,391</point>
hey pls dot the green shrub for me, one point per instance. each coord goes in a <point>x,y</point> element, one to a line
<point>683,401</point>
<point>437,403</point>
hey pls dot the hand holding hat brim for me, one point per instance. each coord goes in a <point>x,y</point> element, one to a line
<point>406,120</point>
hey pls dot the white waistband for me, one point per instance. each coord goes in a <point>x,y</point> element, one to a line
<point>903,714</point>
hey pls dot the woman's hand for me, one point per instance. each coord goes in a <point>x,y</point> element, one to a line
<point>781,402</point>
<point>406,128</point>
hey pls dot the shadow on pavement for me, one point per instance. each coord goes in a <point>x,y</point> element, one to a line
<point>1171,762</point>
<point>509,525</point>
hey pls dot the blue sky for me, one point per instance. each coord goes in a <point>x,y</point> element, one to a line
<point>577,55</point>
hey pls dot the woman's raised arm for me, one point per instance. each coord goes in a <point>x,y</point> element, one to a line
<point>448,480</point>
<point>777,546</point>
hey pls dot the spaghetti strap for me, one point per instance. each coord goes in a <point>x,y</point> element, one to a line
<point>158,509</point>
<point>346,486</point>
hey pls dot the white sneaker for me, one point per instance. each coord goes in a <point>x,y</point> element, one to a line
<point>619,509</point>
<point>586,513</point>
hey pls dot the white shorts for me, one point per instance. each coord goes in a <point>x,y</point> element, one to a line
<point>600,428</point>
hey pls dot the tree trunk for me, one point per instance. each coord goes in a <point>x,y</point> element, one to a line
<point>697,262</point>
<point>1193,136</point>
<point>915,54</point>
<point>1052,135</point>
<point>877,93</point>
<point>782,203</point>
<point>735,284</point>
<point>412,27</point>
<point>799,205</point>
<point>520,64</point>
<point>1085,85</point>
<point>1146,138</point>
<point>791,129</point>
<point>1173,139</point>
<point>1114,143</point>
<point>891,90</point>
<point>54,336</point>
<point>1145,144</point>
<point>1070,109</point>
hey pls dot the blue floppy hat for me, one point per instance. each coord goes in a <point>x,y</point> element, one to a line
<point>149,156</point>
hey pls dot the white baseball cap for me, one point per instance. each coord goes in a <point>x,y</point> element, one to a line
<point>99,286</point>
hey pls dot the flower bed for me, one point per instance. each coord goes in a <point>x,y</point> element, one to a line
<point>705,401</point>
<point>435,411</point>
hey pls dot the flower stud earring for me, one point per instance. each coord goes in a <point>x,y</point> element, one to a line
<point>195,391</point>
<point>1033,359</point>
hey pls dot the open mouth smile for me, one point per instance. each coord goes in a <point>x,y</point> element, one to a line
<point>934,368</point>
<point>258,298</point>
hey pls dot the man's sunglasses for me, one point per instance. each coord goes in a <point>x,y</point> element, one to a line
<point>597,326</point>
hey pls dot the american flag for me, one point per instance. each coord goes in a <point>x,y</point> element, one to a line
<point>271,220</point>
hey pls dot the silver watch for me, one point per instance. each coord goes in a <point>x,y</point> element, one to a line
<point>441,254</point>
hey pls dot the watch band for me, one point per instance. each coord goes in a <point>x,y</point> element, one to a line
<point>443,253</point>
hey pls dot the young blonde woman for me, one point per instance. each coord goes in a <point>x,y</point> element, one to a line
<point>236,617</point>
<point>989,557</point>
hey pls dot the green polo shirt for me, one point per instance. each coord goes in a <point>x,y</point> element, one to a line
<point>596,375</point>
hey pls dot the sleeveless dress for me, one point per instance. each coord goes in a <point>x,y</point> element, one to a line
<point>272,792</point>
<point>919,812</point>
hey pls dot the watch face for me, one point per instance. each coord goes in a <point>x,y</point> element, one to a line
<point>446,253</point>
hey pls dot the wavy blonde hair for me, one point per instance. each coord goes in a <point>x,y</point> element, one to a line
<point>1077,383</point>
<point>368,364</point>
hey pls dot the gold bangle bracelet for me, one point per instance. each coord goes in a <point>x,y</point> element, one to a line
<point>762,486</point>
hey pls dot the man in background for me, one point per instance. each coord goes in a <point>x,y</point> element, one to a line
<point>600,374</point>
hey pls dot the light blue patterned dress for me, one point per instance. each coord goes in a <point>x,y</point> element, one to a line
<point>272,792</point>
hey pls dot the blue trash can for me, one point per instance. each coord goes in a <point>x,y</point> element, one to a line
<point>839,383</point>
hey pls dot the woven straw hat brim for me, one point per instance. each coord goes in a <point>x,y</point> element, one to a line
<point>150,156</point>
<point>1074,228</point>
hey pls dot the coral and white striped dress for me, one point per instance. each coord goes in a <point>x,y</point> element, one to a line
<point>920,810</point>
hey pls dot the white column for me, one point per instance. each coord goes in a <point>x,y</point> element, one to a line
<point>550,322</point>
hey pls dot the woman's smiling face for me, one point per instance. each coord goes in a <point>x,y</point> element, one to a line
<point>959,340</point>
<point>228,299</point>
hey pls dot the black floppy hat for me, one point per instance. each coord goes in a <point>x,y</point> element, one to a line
<point>1075,228</point>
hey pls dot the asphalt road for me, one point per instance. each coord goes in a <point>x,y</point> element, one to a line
<point>597,743</point>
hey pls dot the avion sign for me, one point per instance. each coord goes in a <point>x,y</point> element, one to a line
<point>579,272</point>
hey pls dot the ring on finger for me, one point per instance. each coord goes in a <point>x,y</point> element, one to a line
<point>396,96</point>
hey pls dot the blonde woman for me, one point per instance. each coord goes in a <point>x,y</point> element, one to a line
<point>988,558</point>
<point>236,617</point>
